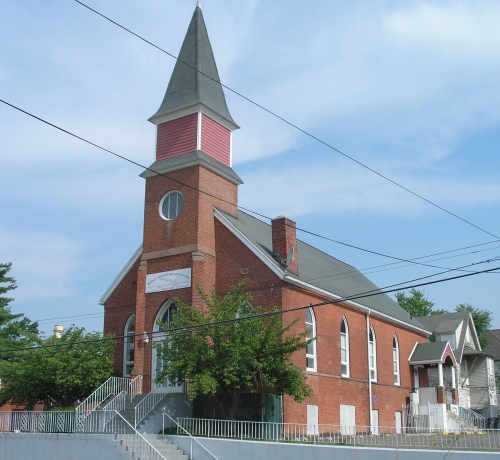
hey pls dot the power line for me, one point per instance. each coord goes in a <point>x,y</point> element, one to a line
<point>371,293</point>
<point>399,259</point>
<point>303,131</point>
<point>254,291</point>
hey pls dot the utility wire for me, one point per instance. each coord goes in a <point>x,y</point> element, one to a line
<point>352,298</point>
<point>254,291</point>
<point>399,259</point>
<point>284,120</point>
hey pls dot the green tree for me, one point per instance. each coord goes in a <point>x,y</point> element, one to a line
<point>16,331</point>
<point>59,371</point>
<point>416,304</point>
<point>220,356</point>
<point>482,320</point>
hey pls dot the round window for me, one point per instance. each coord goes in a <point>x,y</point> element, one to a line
<point>171,205</point>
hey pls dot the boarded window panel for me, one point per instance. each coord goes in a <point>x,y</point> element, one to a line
<point>312,420</point>
<point>347,419</point>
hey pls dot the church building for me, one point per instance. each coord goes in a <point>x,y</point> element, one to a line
<point>195,234</point>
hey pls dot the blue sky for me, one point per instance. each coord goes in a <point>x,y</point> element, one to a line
<point>410,89</point>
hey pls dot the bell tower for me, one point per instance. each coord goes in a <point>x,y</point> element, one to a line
<point>190,177</point>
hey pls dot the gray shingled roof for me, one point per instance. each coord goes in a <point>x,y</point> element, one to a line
<point>448,322</point>
<point>191,159</point>
<point>428,352</point>
<point>195,79</point>
<point>322,270</point>
<point>493,347</point>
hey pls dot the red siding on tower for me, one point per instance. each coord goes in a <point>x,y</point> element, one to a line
<point>176,137</point>
<point>215,140</point>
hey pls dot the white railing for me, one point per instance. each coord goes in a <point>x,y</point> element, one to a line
<point>116,404</point>
<point>184,432</point>
<point>390,437</point>
<point>112,386</point>
<point>38,422</point>
<point>135,386</point>
<point>146,406</point>
<point>467,414</point>
<point>100,421</point>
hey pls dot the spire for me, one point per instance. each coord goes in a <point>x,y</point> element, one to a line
<point>195,79</point>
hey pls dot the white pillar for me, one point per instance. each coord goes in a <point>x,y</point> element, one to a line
<point>453,382</point>
<point>440,370</point>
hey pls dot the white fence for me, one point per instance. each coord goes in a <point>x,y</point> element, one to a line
<point>332,434</point>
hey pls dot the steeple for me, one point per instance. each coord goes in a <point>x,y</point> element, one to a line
<point>195,79</point>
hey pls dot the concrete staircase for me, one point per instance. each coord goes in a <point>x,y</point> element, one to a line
<point>164,448</point>
<point>457,422</point>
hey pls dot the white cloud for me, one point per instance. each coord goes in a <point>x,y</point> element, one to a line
<point>459,28</point>
<point>297,191</point>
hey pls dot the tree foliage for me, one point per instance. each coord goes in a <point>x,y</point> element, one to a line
<point>482,320</point>
<point>16,331</point>
<point>416,304</point>
<point>59,371</point>
<point>217,355</point>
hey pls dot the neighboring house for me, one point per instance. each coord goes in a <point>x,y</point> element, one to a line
<point>493,349</point>
<point>471,381</point>
<point>357,367</point>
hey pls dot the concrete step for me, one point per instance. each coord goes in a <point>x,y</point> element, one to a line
<point>131,444</point>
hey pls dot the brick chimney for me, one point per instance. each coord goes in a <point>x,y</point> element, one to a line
<point>284,239</point>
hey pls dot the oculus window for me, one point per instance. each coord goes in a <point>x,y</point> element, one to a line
<point>171,205</point>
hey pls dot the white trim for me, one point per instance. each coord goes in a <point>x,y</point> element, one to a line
<point>347,361</point>
<point>374,354</point>
<point>121,275</point>
<point>194,109</point>
<point>230,149</point>
<point>397,360</point>
<point>314,354</point>
<point>198,132</point>
<point>413,350</point>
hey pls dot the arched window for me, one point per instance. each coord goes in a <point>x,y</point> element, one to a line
<point>395,359</point>
<point>344,348</point>
<point>128,346</point>
<point>165,317</point>
<point>372,354</point>
<point>311,334</point>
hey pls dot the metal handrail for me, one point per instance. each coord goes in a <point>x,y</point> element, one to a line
<point>114,385</point>
<point>146,406</point>
<point>189,434</point>
<point>468,414</point>
<point>135,386</point>
<point>117,403</point>
<point>142,439</point>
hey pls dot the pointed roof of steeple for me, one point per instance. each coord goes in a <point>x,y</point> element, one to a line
<point>195,79</point>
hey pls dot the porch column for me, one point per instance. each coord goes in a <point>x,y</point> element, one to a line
<point>454,392</point>
<point>440,371</point>
<point>441,390</point>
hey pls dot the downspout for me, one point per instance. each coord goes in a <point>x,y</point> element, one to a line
<point>368,362</point>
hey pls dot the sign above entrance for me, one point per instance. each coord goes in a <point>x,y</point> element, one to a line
<point>167,281</point>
